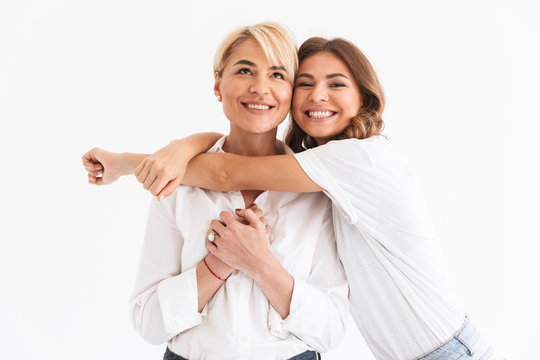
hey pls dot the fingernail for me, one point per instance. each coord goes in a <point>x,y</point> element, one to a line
<point>237,209</point>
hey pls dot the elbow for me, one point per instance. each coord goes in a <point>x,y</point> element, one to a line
<point>148,326</point>
<point>150,335</point>
<point>222,179</point>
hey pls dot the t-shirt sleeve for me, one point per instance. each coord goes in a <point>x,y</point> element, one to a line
<point>345,170</point>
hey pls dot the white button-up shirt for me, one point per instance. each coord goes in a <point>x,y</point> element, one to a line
<point>239,322</point>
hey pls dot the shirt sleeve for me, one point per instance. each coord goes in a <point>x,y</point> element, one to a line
<point>319,305</point>
<point>165,300</point>
<point>346,172</point>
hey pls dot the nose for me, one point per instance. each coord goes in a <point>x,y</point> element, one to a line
<point>319,94</point>
<point>259,86</point>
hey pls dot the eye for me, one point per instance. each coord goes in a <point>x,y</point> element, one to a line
<point>303,84</point>
<point>336,85</point>
<point>244,71</point>
<point>278,75</point>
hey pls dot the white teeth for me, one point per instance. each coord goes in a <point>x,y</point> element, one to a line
<point>258,107</point>
<point>319,114</point>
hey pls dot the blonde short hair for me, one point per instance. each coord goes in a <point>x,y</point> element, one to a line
<point>277,42</point>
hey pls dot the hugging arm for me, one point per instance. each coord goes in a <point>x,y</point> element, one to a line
<point>222,172</point>
<point>227,172</point>
<point>178,163</point>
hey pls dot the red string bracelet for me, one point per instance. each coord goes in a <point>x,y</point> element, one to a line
<point>213,273</point>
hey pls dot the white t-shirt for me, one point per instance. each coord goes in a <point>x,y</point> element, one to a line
<point>239,322</point>
<point>400,297</point>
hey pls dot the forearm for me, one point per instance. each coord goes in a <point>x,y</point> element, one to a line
<point>276,283</point>
<point>208,283</point>
<point>228,172</point>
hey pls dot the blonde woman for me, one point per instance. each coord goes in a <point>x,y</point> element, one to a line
<point>237,291</point>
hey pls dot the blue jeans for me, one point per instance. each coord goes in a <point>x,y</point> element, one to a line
<point>306,355</point>
<point>467,344</point>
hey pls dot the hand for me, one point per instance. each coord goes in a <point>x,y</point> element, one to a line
<point>241,246</point>
<point>103,167</point>
<point>162,172</point>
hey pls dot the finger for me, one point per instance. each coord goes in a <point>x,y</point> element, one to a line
<point>218,227</point>
<point>242,212</point>
<point>227,218</point>
<point>159,184</point>
<point>252,219</point>
<point>140,168</point>
<point>169,189</point>
<point>94,172</point>
<point>212,248</point>
<point>88,159</point>
<point>262,220</point>
<point>149,180</point>
<point>268,230</point>
<point>144,173</point>
<point>95,180</point>
<point>257,211</point>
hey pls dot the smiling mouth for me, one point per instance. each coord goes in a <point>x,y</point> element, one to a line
<point>257,106</point>
<point>320,114</point>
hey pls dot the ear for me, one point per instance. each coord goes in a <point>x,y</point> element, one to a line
<point>217,83</point>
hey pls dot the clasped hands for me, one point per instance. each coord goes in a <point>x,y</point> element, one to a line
<point>241,243</point>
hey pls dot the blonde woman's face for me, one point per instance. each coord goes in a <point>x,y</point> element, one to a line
<point>255,92</point>
<point>326,96</point>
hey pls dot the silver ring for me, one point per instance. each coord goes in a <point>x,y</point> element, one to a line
<point>211,237</point>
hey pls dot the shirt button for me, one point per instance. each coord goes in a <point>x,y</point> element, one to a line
<point>244,339</point>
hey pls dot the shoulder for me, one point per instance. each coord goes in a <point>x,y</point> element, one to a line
<point>348,147</point>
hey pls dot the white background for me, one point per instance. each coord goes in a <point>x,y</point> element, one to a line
<point>461,79</point>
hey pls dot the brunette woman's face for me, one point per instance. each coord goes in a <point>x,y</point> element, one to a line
<point>326,97</point>
<point>255,92</point>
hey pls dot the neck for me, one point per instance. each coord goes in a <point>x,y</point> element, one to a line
<point>241,143</point>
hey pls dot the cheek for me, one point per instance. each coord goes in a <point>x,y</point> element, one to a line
<point>297,102</point>
<point>284,97</point>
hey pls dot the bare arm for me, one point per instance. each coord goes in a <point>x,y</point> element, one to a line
<point>227,172</point>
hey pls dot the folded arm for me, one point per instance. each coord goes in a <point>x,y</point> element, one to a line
<point>315,308</point>
<point>166,300</point>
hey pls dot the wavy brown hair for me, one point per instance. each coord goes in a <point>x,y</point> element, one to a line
<point>369,120</point>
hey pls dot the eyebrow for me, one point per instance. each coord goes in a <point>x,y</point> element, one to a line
<point>329,76</point>
<point>249,63</point>
<point>245,62</point>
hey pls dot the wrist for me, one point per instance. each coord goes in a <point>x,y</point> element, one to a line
<point>265,269</point>
<point>218,267</point>
<point>126,163</point>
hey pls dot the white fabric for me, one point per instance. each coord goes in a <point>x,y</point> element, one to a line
<point>400,297</point>
<point>239,322</point>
